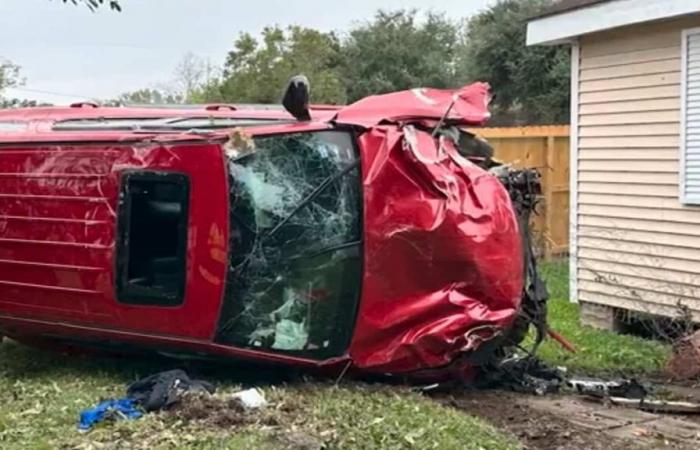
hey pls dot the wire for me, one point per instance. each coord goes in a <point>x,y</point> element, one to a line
<point>59,94</point>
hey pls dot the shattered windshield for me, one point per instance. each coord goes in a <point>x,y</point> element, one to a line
<point>294,279</point>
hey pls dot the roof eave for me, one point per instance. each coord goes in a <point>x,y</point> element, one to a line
<point>568,25</point>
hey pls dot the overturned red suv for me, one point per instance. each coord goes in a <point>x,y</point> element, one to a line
<point>375,237</point>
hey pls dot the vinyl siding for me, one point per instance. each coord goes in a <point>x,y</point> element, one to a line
<point>638,246</point>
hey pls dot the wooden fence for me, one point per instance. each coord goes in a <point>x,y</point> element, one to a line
<point>545,148</point>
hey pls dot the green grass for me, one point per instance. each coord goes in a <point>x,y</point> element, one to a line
<point>42,393</point>
<point>599,352</point>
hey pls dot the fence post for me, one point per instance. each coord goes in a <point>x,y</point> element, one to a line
<point>550,161</point>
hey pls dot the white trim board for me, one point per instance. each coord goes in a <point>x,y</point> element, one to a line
<point>684,196</point>
<point>573,175</point>
<point>562,27</point>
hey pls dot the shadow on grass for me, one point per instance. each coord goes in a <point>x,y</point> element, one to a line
<point>23,362</point>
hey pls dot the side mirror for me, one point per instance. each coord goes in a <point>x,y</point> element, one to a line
<point>296,97</point>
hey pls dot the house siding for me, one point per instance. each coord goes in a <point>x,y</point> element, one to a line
<point>638,247</point>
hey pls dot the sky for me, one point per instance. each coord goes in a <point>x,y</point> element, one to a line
<point>68,50</point>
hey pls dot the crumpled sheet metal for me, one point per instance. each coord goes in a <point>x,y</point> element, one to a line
<point>467,106</point>
<point>442,258</point>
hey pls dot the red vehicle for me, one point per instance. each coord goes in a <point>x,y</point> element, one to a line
<point>354,236</point>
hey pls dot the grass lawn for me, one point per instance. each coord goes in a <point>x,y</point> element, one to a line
<point>42,393</point>
<point>599,352</point>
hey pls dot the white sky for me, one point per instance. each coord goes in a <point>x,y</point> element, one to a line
<point>68,50</point>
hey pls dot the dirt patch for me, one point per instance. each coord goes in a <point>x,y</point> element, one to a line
<point>532,428</point>
<point>558,423</point>
<point>212,411</point>
<point>215,412</point>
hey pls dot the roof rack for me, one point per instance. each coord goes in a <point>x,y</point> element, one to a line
<point>85,104</point>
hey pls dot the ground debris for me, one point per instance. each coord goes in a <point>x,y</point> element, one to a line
<point>685,362</point>
<point>220,412</point>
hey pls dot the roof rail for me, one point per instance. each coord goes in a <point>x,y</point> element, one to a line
<point>219,107</point>
<point>325,107</point>
<point>84,104</point>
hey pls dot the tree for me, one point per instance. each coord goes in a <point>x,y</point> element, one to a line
<point>94,4</point>
<point>9,75</point>
<point>257,71</point>
<point>396,51</point>
<point>192,74</point>
<point>531,84</point>
<point>148,96</point>
<point>21,103</point>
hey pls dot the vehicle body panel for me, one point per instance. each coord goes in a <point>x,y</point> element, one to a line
<point>441,252</point>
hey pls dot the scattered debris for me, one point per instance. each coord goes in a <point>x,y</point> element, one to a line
<point>657,406</point>
<point>685,363</point>
<point>250,399</point>
<point>215,411</point>
<point>568,423</point>
<point>522,374</point>
<point>153,393</point>
<point>161,390</point>
<point>593,387</point>
<point>124,408</point>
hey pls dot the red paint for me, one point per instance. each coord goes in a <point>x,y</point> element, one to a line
<point>442,254</point>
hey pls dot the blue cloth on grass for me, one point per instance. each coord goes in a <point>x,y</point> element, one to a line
<point>124,408</point>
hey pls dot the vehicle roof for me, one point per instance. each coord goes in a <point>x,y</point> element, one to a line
<point>81,111</point>
<point>88,122</point>
<point>38,123</point>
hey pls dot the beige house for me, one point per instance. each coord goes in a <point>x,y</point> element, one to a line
<point>635,152</point>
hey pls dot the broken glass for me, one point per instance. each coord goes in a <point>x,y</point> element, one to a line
<point>295,273</point>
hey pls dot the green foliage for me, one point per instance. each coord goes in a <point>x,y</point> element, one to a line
<point>531,84</point>
<point>147,97</point>
<point>396,51</point>
<point>599,352</point>
<point>399,50</point>
<point>9,74</point>
<point>94,4</point>
<point>21,103</point>
<point>257,72</point>
<point>369,417</point>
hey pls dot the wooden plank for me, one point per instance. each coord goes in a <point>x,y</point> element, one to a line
<point>644,189</point>
<point>524,152</point>
<point>650,129</point>
<point>668,257</point>
<point>518,132</point>
<point>651,225</point>
<point>545,148</point>
<point>624,154</point>
<point>550,211</point>
<point>654,105</point>
<point>631,69</point>
<point>612,84</point>
<point>635,56</point>
<point>629,142</point>
<point>671,116</point>
<point>642,93</point>
<point>630,165</point>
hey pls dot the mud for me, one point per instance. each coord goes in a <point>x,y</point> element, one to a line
<point>564,423</point>
<point>227,413</point>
